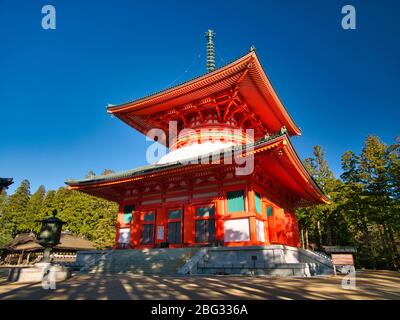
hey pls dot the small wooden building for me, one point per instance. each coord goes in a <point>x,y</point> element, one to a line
<point>24,249</point>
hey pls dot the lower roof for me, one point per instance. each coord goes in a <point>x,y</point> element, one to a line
<point>284,166</point>
<point>153,168</point>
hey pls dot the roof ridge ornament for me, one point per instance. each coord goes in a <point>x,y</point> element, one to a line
<point>283,130</point>
<point>210,50</point>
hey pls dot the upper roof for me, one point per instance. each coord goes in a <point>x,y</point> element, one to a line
<point>245,75</point>
<point>27,242</point>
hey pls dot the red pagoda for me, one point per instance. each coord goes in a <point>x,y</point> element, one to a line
<point>195,195</point>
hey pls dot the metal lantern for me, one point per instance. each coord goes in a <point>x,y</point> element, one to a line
<point>50,234</point>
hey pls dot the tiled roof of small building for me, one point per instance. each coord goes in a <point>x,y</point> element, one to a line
<point>27,242</point>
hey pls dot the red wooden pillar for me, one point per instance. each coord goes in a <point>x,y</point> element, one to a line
<point>272,229</point>
<point>253,230</point>
<point>189,226</point>
<point>120,214</point>
<point>219,219</point>
<point>252,220</point>
<point>296,234</point>
<point>289,229</point>
<point>118,225</point>
<point>280,225</point>
<point>136,228</point>
<point>266,232</point>
<point>266,227</point>
<point>116,244</point>
<point>161,221</point>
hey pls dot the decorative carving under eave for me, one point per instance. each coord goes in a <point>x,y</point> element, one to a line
<point>227,106</point>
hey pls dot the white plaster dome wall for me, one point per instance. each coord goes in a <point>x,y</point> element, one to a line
<point>194,150</point>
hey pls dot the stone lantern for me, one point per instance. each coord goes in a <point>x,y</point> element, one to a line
<point>44,271</point>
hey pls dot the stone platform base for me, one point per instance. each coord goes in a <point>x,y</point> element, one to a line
<point>39,272</point>
<point>272,260</point>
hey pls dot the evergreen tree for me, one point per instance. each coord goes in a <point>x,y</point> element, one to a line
<point>45,209</point>
<point>16,216</point>
<point>5,232</point>
<point>320,222</point>
<point>87,216</point>
<point>352,204</point>
<point>394,170</point>
<point>369,200</point>
<point>34,206</point>
<point>3,199</point>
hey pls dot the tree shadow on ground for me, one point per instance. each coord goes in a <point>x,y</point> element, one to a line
<point>370,285</point>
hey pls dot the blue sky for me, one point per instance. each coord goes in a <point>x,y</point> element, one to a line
<point>339,85</point>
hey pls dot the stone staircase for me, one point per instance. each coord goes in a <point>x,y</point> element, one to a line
<point>4,272</point>
<point>145,261</point>
<point>321,254</point>
<point>273,260</point>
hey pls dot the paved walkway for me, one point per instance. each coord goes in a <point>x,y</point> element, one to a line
<point>369,285</point>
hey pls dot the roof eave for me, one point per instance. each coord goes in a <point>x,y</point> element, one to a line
<point>72,183</point>
<point>294,129</point>
<point>323,197</point>
<point>315,193</point>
